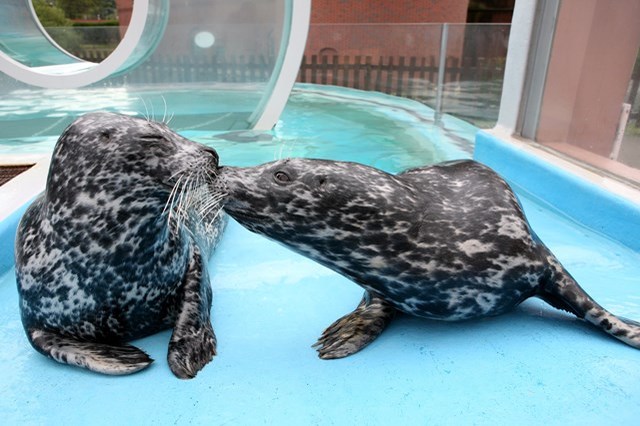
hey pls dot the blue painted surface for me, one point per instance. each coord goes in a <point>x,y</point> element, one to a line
<point>583,201</point>
<point>7,236</point>
<point>535,365</point>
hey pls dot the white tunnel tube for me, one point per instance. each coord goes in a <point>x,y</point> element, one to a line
<point>82,73</point>
<point>286,71</point>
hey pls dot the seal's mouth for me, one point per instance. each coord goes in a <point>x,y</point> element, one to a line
<point>240,210</point>
<point>242,215</point>
<point>250,221</point>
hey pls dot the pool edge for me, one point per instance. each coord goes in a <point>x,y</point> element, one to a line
<point>15,196</point>
<point>583,200</point>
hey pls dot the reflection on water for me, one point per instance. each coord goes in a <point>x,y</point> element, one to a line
<point>342,124</point>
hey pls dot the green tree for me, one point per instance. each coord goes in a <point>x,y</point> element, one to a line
<point>79,9</point>
<point>86,9</point>
<point>58,27</point>
<point>49,15</point>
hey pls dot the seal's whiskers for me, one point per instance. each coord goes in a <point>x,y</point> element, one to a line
<point>171,199</point>
<point>210,205</point>
<point>195,197</point>
<point>180,208</point>
<point>164,115</point>
<point>146,115</point>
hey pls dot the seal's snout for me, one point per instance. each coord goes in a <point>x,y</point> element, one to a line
<point>238,195</point>
<point>227,175</point>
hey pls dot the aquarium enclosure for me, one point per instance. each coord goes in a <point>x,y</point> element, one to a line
<point>545,92</point>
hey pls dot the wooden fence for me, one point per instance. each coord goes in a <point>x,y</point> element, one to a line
<point>410,77</point>
<point>400,76</point>
<point>472,92</point>
<point>187,69</point>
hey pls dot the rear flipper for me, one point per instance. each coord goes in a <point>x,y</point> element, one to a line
<point>99,357</point>
<point>356,330</point>
<point>563,292</point>
<point>193,342</point>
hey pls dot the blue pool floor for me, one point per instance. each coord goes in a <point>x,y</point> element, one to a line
<point>535,365</point>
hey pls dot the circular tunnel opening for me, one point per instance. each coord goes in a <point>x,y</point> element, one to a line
<point>88,30</point>
<point>38,56</point>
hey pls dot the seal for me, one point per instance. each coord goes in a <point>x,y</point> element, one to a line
<point>116,247</point>
<point>446,242</point>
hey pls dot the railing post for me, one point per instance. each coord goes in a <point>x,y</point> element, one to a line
<point>441,71</point>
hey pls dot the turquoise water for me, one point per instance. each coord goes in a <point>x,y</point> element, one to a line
<point>383,131</point>
<point>32,120</point>
<point>315,122</point>
<point>535,365</point>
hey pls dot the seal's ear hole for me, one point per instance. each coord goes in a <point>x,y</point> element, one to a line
<point>281,177</point>
<point>321,180</point>
<point>105,135</point>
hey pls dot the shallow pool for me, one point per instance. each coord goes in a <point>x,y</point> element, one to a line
<point>318,120</point>
<point>535,365</point>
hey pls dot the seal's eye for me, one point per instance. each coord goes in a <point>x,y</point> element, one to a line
<point>281,177</point>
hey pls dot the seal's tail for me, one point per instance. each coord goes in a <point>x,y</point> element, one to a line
<point>563,292</point>
<point>99,357</point>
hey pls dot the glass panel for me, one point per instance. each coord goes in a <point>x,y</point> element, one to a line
<point>397,59</point>
<point>91,44</point>
<point>205,67</point>
<point>403,60</point>
<point>629,152</point>
<point>93,35</point>
<point>22,38</point>
<point>474,70</point>
<point>593,57</point>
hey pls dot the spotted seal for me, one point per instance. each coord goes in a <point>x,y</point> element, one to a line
<point>446,242</point>
<point>114,249</point>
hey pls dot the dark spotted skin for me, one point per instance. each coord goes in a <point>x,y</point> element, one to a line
<point>99,262</point>
<point>447,242</point>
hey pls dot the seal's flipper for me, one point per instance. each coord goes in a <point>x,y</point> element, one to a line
<point>99,357</point>
<point>356,330</point>
<point>193,342</point>
<point>563,292</point>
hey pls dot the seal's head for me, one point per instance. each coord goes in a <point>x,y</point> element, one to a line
<point>116,153</point>
<point>307,203</point>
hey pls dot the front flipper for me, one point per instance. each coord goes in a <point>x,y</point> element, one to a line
<point>193,342</point>
<point>100,357</point>
<point>356,330</point>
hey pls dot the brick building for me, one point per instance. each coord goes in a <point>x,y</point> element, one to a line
<point>406,28</point>
<point>373,27</point>
<point>388,11</point>
<point>381,27</point>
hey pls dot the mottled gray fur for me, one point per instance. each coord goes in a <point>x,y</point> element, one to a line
<point>447,242</point>
<point>116,247</point>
